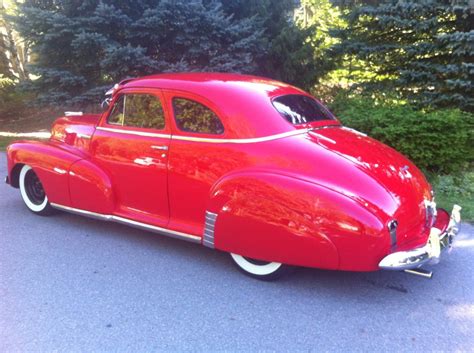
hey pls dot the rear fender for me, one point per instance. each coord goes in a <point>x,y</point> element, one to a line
<point>270,217</point>
<point>279,218</point>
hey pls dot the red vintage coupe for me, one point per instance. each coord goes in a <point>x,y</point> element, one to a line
<point>243,164</point>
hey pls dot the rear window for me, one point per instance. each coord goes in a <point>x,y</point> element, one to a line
<point>299,109</point>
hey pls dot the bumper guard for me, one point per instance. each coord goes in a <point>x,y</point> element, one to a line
<point>429,253</point>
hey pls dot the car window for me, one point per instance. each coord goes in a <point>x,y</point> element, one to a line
<point>138,110</point>
<point>192,116</point>
<point>116,116</point>
<point>299,109</point>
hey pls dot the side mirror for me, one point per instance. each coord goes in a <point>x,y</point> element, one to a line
<point>105,103</point>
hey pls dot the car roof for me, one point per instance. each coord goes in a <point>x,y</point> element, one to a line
<point>243,101</point>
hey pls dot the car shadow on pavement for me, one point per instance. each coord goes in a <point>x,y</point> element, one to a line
<point>448,272</point>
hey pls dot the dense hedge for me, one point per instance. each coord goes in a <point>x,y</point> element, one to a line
<point>439,141</point>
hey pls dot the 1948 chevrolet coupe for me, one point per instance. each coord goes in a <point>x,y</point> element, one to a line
<point>243,164</point>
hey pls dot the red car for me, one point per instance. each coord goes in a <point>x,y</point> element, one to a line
<point>250,166</point>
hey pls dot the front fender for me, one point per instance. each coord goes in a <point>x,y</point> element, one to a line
<point>49,162</point>
<point>274,217</point>
<point>67,177</point>
<point>91,188</point>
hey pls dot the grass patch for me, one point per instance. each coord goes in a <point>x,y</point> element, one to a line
<point>6,140</point>
<point>447,201</point>
<point>459,189</point>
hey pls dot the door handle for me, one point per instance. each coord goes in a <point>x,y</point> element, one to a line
<point>161,147</point>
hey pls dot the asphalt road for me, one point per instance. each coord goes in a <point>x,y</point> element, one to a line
<point>74,284</point>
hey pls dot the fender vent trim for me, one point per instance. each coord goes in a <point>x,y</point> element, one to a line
<point>208,236</point>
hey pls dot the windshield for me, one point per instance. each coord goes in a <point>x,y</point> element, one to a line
<point>299,109</point>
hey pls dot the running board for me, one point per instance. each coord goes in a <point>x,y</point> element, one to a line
<point>129,222</point>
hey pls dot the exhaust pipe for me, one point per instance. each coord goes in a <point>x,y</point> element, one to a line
<point>420,272</point>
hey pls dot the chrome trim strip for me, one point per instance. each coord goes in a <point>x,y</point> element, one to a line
<point>208,236</point>
<point>211,140</point>
<point>245,140</point>
<point>392,229</point>
<point>353,130</point>
<point>162,148</point>
<point>322,137</point>
<point>129,222</point>
<point>83,136</point>
<point>131,132</point>
<point>73,113</point>
<point>82,212</point>
<point>59,170</point>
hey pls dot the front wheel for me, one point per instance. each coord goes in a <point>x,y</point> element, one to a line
<point>262,270</point>
<point>32,192</point>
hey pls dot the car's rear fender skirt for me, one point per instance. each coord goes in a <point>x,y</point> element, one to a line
<point>278,218</point>
<point>49,162</point>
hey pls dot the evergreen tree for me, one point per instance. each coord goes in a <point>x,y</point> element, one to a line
<point>290,57</point>
<point>82,47</point>
<point>422,49</point>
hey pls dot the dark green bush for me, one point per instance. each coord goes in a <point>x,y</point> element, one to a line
<point>439,141</point>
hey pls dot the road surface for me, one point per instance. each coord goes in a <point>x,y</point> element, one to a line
<point>74,284</point>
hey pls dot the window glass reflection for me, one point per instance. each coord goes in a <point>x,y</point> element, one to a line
<point>299,109</point>
<point>138,110</point>
<point>192,116</point>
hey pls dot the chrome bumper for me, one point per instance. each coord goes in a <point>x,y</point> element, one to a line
<point>430,253</point>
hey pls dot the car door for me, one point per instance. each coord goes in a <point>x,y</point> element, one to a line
<point>131,144</point>
<point>197,159</point>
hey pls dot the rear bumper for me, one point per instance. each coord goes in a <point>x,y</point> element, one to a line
<point>430,252</point>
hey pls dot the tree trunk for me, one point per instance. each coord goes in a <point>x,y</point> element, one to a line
<point>11,44</point>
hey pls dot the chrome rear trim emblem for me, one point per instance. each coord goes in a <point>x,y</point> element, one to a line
<point>208,237</point>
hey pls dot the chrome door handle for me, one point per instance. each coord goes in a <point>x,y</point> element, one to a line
<point>162,147</point>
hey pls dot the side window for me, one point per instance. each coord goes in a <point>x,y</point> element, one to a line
<point>116,116</point>
<point>138,110</point>
<point>299,109</point>
<point>192,116</point>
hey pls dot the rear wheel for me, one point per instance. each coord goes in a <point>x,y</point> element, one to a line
<point>33,193</point>
<point>262,270</point>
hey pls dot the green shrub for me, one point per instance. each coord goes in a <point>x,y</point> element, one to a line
<point>458,189</point>
<point>439,141</point>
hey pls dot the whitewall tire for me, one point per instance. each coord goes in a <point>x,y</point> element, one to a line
<point>259,269</point>
<point>32,192</point>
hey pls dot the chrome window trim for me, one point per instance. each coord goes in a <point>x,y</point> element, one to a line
<point>126,221</point>
<point>132,132</point>
<point>208,139</point>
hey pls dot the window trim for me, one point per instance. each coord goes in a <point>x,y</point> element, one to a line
<point>107,121</point>
<point>157,93</point>
<point>207,106</point>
